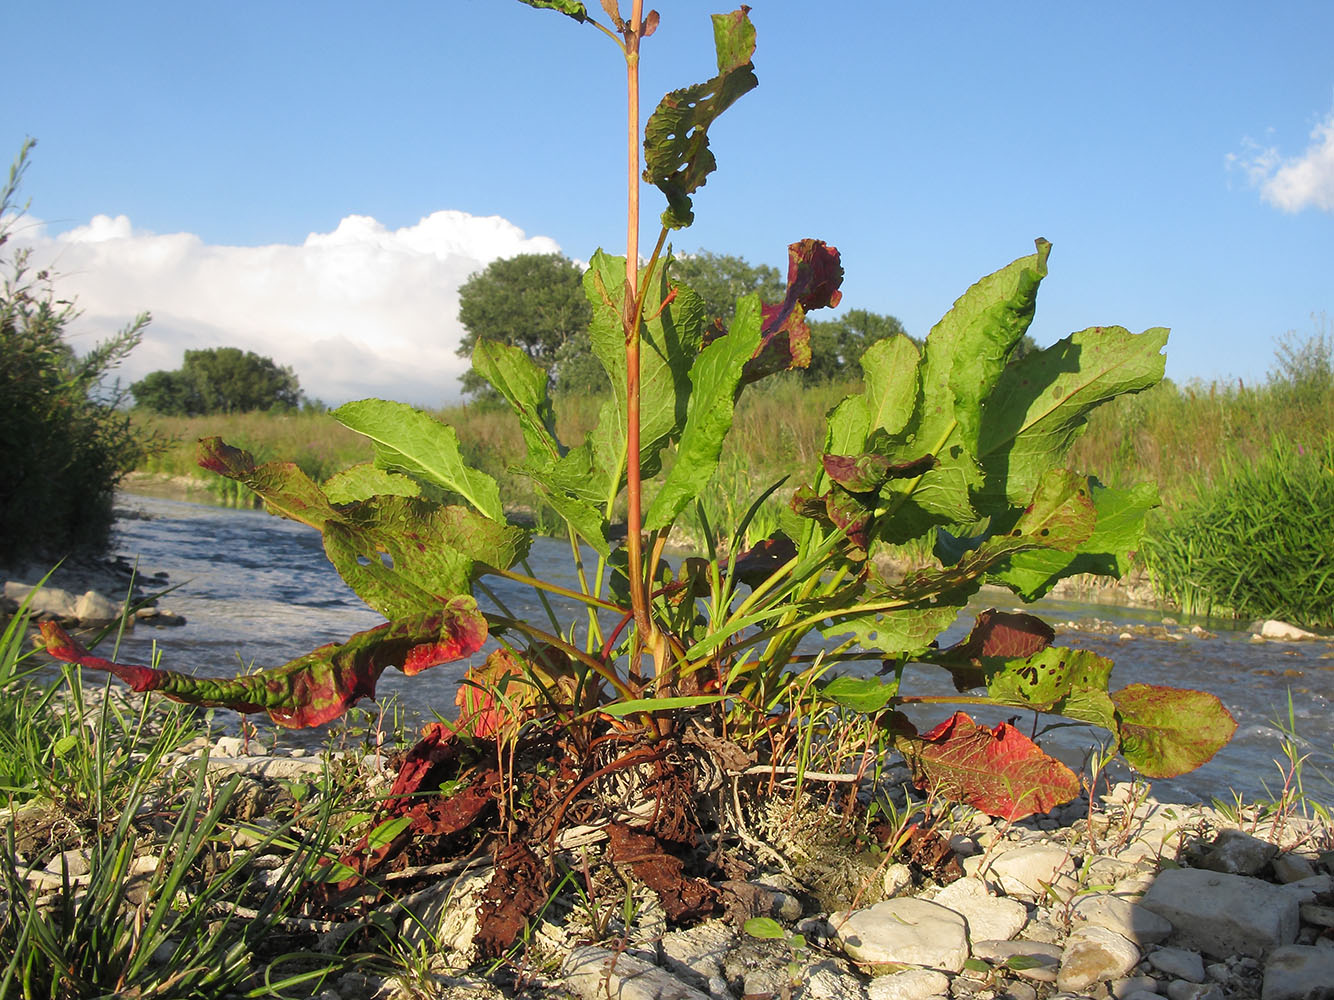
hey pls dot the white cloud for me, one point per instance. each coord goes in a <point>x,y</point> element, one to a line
<point>1306,181</point>
<point>359,311</point>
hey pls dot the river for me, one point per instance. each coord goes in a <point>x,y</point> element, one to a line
<point>256,591</point>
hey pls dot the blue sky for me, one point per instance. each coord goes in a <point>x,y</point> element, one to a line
<point>314,181</point>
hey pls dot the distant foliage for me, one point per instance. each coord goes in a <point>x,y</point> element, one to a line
<point>65,442</point>
<point>1259,543</point>
<point>534,302</point>
<point>837,345</point>
<point>219,380</point>
<point>721,279</point>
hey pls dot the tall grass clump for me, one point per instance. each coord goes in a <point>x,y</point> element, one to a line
<point>1256,542</point>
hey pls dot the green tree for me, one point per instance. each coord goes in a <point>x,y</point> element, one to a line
<point>66,441</point>
<point>721,279</point>
<point>837,345</point>
<point>535,302</point>
<point>219,380</point>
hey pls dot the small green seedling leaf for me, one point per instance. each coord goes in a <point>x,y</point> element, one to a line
<point>385,833</point>
<point>765,928</point>
<point>622,708</point>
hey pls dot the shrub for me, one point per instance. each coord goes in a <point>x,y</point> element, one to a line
<point>66,442</point>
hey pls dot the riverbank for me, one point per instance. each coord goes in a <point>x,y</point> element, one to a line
<point>1113,895</point>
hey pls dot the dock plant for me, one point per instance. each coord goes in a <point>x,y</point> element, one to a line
<point>674,666</point>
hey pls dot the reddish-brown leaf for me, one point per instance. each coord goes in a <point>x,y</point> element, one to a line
<point>813,276</point>
<point>516,891</point>
<point>685,900</point>
<point>314,688</point>
<point>999,771</point>
<point>1008,634</point>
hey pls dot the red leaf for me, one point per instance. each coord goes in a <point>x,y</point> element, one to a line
<point>314,688</point>
<point>999,771</point>
<point>1009,634</point>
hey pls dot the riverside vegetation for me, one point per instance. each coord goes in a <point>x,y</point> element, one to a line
<point>676,683</point>
<point>1244,471</point>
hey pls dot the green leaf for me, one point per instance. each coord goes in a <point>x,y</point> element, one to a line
<point>570,8</point>
<point>764,928</point>
<point>1168,731</point>
<point>964,356</point>
<point>669,343</point>
<point>867,695</point>
<point>410,441</point>
<point>676,145</point>
<point>630,707</point>
<point>1040,404</point>
<point>524,386</point>
<point>714,378</point>
<point>361,482</point>
<point>431,550</point>
<point>65,744</point>
<point>1118,528</point>
<point>385,833</point>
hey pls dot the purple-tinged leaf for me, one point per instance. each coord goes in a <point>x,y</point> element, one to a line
<point>813,278</point>
<point>999,771</point>
<point>1009,634</point>
<point>314,688</point>
<point>867,473</point>
<point>758,563</point>
<point>1168,731</point>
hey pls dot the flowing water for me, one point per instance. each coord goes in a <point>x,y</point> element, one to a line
<point>257,591</point>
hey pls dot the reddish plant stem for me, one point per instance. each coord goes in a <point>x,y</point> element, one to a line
<point>631,320</point>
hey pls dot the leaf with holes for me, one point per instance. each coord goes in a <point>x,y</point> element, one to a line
<point>677,158</point>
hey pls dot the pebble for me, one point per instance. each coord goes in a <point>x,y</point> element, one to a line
<point>1094,954</point>
<point>1178,963</point>
<point>903,931</point>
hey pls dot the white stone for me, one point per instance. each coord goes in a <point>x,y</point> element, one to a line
<point>989,918</point>
<point>905,930</point>
<point>897,878</point>
<point>1094,954</point>
<point>1222,915</point>
<point>593,973</point>
<point>1293,868</point>
<point>1299,972</point>
<point>1238,853</point>
<point>1041,960</point>
<point>914,984</point>
<point>1132,921</point>
<point>1025,872</point>
<point>44,600</point>
<point>93,607</point>
<point>1180,989</point>
<point>1124,989</point>
<point>1285,632</point>
<point>696,954</point>
<point>1178,963</point>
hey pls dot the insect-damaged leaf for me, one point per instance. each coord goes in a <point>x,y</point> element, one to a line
<point>1169,731</point>
<point>316,687</point>
<point>999,771</point>
<point>677,159</point>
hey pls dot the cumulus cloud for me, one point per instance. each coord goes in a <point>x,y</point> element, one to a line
<point>1295,183</point>
<point>359,311</point>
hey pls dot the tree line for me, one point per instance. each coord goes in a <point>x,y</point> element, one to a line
<point>536,302</point>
